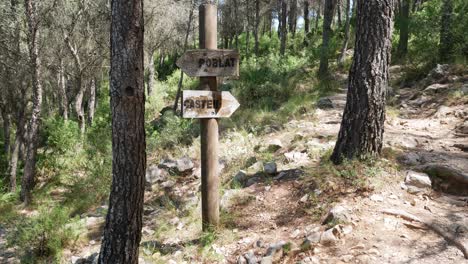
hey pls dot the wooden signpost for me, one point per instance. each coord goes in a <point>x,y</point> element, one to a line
<point>209,104</point>
<point>210,63</point>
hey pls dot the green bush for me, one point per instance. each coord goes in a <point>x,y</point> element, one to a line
<point>45,235</point>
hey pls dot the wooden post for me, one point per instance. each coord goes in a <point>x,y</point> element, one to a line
<point>209,127</point>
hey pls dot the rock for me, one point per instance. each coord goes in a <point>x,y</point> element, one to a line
<point>414,190</point>
<point>267,260</point>
<point>464,89</point>
<point>233,197</point>
<point>447,179</point>
<point>440,71</point>
<point>250,257</point>
<point>240,177</point>
<point>325,103</point>
<point>347,230</point>
<point>410,159</point>
<point>270,168</point>
<point>443,111</point>
<point>273,145</point>
<point>296,233</point>
<point>376,198</point>
<point>74,259</point>
<point>184,164</point>
<point>256,167</point>
<point>289,175</point>
<point>417,179</point>
<point>91,259</point>
<point>338,214</point>
<point>260,243</point>
<point>155,174</point>
<point>297,157</point>
<point>251,181</point>
<point>311,240</point>
<point>405,142</point>
<point>347,258</point>
<point>330,236</point>
<point>304,198</point>
<point>168,184</point>
<point>167,164</point>
<point>275,250</point>
<point>436,88</point>
<point>241,260</point>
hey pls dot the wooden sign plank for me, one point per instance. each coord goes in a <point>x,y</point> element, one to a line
<point>208,104</point>
<point>210,63</point>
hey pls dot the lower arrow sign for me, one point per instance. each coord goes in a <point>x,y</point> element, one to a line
<point>208,104</point>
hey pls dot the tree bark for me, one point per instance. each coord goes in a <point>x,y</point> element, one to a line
<point>151,74</point>
<point>329,11</point>
<point>338,15</point>
<point>362,127</point>
<point>6,131</point>
<point>318,15</point>
<point>122,233</point>
<point>13,164</point>
<point>402,49</point>
<point>284,29</point>
<point>35,64</point>
<point>62,91</point>
<point>257,24</point>
<point>92,101</point>
<point>342,57</point>
<point>446,33</point>
<point>306,23</point>
<point>293,17</point>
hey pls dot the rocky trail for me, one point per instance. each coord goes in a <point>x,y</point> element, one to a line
<point>412,210</point>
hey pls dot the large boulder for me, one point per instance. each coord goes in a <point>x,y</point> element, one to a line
<point>270,168</point>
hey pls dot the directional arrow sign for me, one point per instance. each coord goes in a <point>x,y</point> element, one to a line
<point>210,63</point>
<point>208,104</point>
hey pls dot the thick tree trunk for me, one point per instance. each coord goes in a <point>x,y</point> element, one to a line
<point>362,128</point>
<point>306,23</point>
<point>151,74</point>
<point>329,11</point>
<point>342,57</point>
<point>284,28</point>
<point>92,102</point>
<point>257,24</point>
<point>122,233</point>
<point>446,33</point>
<point>79,110</point>
<point>35,64</point>
<point>404,29</point>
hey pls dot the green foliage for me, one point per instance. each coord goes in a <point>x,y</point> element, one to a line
<point>43,236</point>
<point>263,81</point>
<point>171,130</point>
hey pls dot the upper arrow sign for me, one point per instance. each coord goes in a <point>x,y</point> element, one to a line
<point>210,63</point>
<point>208,104</point>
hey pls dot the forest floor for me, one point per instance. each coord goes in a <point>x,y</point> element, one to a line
<point>284,216</point>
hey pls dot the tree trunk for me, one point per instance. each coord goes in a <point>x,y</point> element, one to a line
<point>35,63</point>
<point>6,131</point>
<point>151,74</point>
<point>79,110</point>
<point>338,15</point>
<point>342,57</point>
<point>284,29</point>
<point>13,164</point>
<point>293,17</point>
<point>318,15</point>
<point>257,24</point>
<point>362,127</point>
<point>122,233</point>
<point>306,23</point>
<point>446,33</point>
<point>62,91</point>
<point>236,27</point>
<point>329,11</point>
<point>404,29</point>
<point>92,102</point>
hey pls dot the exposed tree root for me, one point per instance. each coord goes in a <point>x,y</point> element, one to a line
<point>449,237</point>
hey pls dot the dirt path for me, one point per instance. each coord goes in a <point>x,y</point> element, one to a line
<point>7,255</point>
